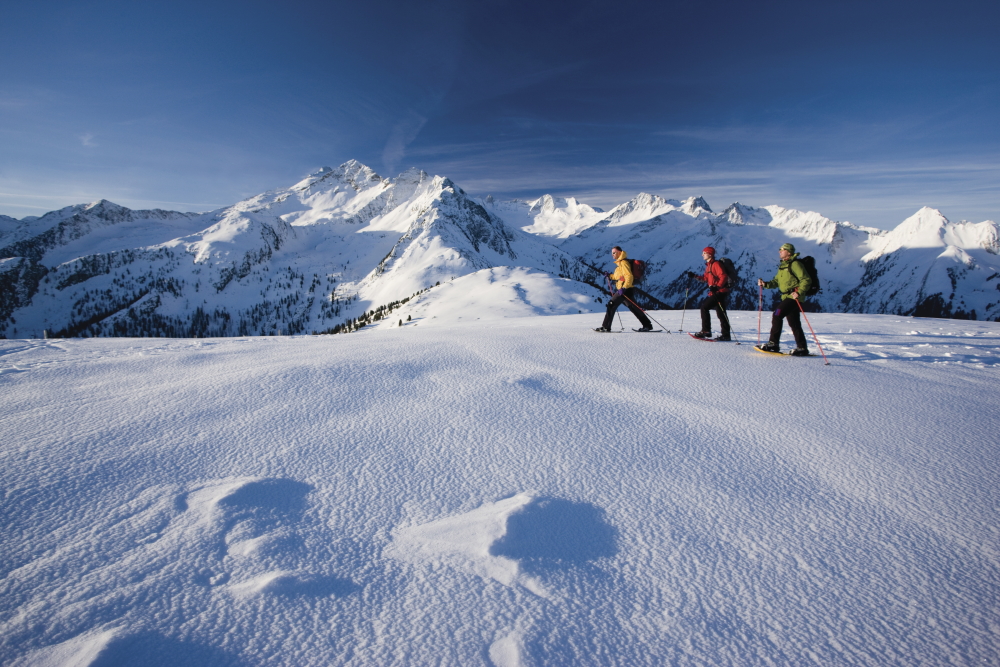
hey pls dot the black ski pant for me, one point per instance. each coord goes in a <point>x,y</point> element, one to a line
<point>789,309</point>
<point>717,303</point>
<point>628,298</point>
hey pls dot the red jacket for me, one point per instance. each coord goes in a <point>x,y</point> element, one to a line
<point>715,276</point>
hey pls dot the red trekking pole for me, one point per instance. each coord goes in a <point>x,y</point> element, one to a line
<point>760,308</point>
<point>813,332</point>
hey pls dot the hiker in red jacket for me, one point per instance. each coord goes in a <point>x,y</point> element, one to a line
<point>718,290</point>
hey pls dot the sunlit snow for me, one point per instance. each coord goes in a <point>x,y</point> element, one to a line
<point>504,489</point>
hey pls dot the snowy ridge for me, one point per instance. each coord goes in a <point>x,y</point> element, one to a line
<point>547,216</point>
<point>345,241</point>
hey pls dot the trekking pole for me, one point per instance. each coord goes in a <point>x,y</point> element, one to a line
<point>683,312</point>
<point>728,322</point>
<point>760,308</point>
<point>640,308</point>
<point>813,332</point>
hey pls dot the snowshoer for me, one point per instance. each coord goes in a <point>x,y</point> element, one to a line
<point>718,289</point>
<point>624,292</point>
<point>793,280</point>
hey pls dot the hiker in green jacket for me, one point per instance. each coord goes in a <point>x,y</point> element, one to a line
<point>794,282</point>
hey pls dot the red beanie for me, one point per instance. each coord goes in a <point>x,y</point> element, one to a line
<point>710,250</point>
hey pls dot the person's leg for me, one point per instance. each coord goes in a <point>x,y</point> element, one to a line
<point>777,320</point>
<point>722,313</point>
<point>609,317</point>
<point>795,324</point>
<point>641,316</point>
<point>706,318</point>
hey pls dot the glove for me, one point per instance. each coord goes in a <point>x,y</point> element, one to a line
<point>713,290</point>
<point>607,275</point>
<point>618,293</point>
<point>692,274</point>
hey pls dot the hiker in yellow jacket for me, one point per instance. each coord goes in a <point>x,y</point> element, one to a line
<point>624,292</point>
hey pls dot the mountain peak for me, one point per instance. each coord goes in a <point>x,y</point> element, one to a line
<point>739,214</point>
<point>694,205</point>
<point>352,173</point>
<point>641,207</point>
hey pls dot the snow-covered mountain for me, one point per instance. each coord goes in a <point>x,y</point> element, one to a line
<point>927,266</point>
<point>554,217</point>
<point>340,245</point>
<point>346,246</point>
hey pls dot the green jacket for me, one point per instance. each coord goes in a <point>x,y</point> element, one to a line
<point>791,274</point>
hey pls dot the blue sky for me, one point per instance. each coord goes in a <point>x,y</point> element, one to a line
<point>863,111</point>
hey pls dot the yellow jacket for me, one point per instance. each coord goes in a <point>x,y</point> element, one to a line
<point>623,273</point>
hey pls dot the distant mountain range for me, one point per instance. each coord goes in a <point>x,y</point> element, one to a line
<point>345,246</point>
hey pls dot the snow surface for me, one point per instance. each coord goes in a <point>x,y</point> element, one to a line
<point>513,490</point>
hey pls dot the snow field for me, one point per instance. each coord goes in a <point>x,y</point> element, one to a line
<point>510,491</point>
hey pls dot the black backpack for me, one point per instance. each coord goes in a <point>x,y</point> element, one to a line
<point>809,264</point>
<point>638,271</point>
<point>731,273</point>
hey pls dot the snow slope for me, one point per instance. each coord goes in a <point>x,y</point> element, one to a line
<point>503,491</point>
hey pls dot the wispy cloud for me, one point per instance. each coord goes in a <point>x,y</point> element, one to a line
<point>87,140</point>
<point>402,135</point>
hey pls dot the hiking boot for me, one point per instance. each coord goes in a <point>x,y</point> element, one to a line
<point>800,352</point>
<point>646,328</point>
<point>722,338</point>
<point>770,347</point>
<point>702,334</point>
<point>603,329</point>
